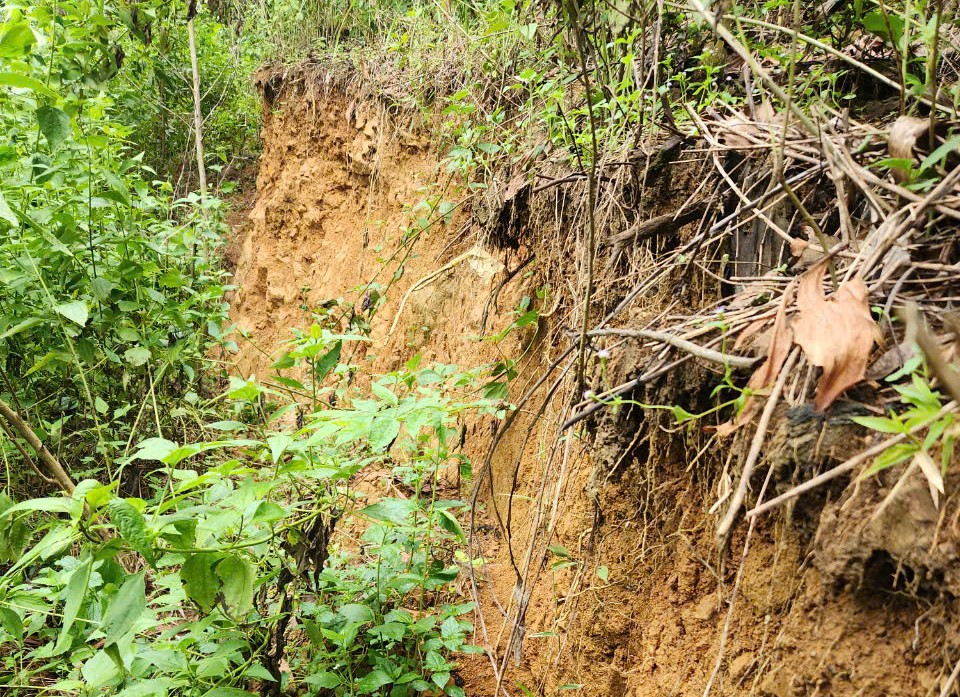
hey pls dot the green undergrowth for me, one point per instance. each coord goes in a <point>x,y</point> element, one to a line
<point>233,574</point>
<point>502,83</point>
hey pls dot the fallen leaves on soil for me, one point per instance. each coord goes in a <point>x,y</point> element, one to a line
<point>835,333</point>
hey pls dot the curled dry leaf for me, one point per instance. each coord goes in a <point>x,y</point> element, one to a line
<point>931,471</point>
<point>902,140</point>
<point>766,374</point>
<point>835,333</point>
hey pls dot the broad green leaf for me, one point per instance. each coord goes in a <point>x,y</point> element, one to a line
<point>117,186</point>
<point>200,583</point>
<point>228,692</point>
<point>76,592</point>
<point>259,672</point>
<point>99,671</point>
<point>384,393</point>
<point>246,391</point>
<point>154,449</point>
<point>327,362</point>
<point>236,577</point>
<point>355,612</point>
<point>372,681</point>
<point>126,607</point>
<point>132,527</point>
<point>136,356</point>
<point>25,82</point>
<point>383,431</point>
<point>13,534</point>
<point>268,512</point>
<point>11,623</point>
<point>227,426</point>
<point>50,504</point>
<point>54,124</point>
<point>396,511</point>
<point>278,443</point>
<point>324,679</point>
<point>6,213</point>
<point>75,311</point>
<point>449,523</point>
<point>16,40</point>
<point>154,687</point>
<point>21,326</point>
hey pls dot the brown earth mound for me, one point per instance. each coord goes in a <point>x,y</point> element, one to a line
<point>636,600</point>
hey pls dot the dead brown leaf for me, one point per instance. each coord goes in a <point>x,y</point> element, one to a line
<point>835,333</point>
<point>766,374</point>
<point>902,140</point>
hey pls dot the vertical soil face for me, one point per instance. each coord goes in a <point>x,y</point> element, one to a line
<point>832,608</point>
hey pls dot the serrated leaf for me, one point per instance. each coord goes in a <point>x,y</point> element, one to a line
<point>125,609</point>
<point>132,527</point>
<point>54,124</point>
<point>75,311</point>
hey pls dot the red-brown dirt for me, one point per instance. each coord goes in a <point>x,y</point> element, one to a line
<point>642,608</point>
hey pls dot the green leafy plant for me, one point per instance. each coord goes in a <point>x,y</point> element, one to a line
<point>929,433</point>
<point>240,532</point>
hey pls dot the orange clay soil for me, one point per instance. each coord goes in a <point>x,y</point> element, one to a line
<point>643,609</point>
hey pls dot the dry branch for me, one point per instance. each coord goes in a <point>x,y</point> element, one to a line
<point>693,349</point>
<point>52,466</point>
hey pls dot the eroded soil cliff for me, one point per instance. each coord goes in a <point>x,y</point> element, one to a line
<point>829,601</point>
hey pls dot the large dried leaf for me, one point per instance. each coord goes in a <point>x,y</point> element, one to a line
<point>835,333</point>
<point>766,374</point>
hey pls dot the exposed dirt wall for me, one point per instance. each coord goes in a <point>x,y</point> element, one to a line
<point>643,608</point>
